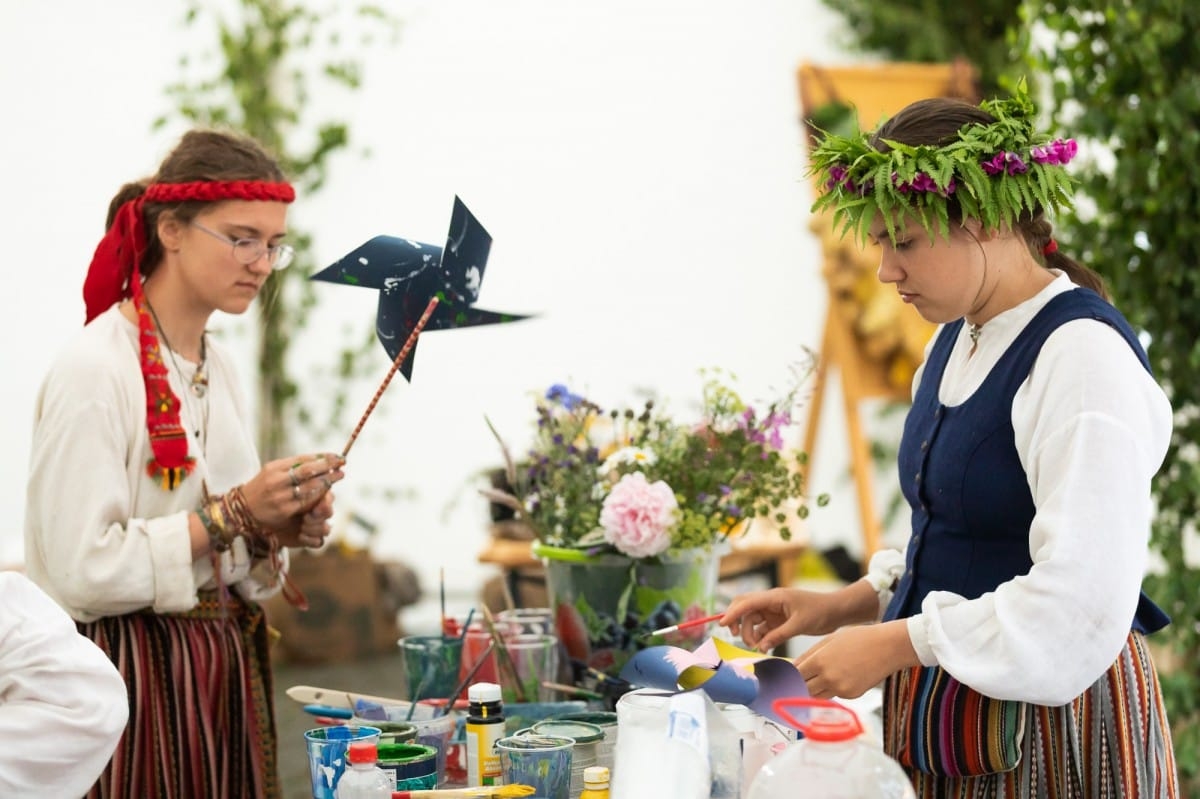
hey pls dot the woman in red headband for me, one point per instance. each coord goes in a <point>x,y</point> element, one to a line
<point>150,518</point>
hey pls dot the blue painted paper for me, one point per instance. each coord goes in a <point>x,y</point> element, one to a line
<point>725,672</point>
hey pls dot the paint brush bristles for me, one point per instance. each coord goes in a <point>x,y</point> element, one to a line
<point>479,792</point>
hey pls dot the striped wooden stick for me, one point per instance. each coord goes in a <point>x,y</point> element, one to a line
<point>407,348</point>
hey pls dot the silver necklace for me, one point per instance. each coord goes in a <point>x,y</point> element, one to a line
<point>198,384</point>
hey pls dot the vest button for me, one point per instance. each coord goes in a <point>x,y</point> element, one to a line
<point>924,445</point>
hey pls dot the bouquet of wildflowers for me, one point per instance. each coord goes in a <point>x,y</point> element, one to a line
<point>639,482</point>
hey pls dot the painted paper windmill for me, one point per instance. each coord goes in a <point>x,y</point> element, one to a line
<point>727,673</point>
<point>408,274</point>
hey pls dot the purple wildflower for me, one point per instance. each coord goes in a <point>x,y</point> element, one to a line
<point>1004,161</point>
<point>921,182</point>
<point>1057,153</point>
<point>837,177</point>
<point>563,396</point>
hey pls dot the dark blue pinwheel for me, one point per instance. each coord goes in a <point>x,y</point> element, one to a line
<point>408,274</point>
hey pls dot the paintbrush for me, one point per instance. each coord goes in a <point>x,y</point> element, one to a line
<point>465,681</point>
<point>442,591</point>
<point>502,656</point>
<point>683,625</point>
<point>479,792</point>
<point>572,690</point>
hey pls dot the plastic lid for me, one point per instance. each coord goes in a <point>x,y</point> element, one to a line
<point>581,731</point>
<point>827,720</point>
<point>595,775</point>
<point>484,692</point>
<point>362,752</point>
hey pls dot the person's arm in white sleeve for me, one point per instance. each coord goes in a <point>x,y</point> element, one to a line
<point>1092,428</point>
<point>99,558</point>
<point>63,705</point>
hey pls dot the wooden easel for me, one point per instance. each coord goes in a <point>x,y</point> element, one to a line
<point>874,92</point>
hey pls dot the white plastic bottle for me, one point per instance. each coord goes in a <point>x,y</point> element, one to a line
<point>364,779</point>
<point>831,762</point>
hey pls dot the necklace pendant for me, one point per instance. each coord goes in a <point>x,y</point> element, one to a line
<point>199,386</point>
<point>973,331</point>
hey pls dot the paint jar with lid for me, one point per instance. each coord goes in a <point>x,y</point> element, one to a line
<point>411,766</point>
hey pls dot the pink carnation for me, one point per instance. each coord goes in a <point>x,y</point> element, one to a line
<point>637,515</point>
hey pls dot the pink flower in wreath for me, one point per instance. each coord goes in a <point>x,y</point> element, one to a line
<point>637,515</point>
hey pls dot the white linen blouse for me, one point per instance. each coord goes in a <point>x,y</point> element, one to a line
<point>101,537</point>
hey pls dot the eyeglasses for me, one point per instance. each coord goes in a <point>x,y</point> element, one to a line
<point>248,251</point>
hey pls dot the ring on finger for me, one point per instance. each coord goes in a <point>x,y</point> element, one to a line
<point>296,492</point>
<point>295,477</point>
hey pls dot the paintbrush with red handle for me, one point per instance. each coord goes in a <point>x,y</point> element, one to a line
<point>683,625</point>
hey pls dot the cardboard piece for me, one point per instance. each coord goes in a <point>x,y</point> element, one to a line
<point>354,603</point>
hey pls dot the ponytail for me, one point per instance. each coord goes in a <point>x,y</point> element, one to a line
<point>1039,237</point>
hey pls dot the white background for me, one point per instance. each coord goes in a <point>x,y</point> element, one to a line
<point>638,164</point>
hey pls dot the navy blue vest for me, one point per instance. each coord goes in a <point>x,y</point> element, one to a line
<point>959,470</point>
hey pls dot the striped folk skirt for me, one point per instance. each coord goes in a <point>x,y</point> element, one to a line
<point>201,721</point>
<point>1112,742</point>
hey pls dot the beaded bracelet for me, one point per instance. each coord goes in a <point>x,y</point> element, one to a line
<point>238,512</point>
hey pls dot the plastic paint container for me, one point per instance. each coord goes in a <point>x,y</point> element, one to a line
<point>587,738</point>
<point>390,732</point>
<point>606,720</point>
<point>412,766</point>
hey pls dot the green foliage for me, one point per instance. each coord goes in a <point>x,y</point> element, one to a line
<point>271,53</point>
<point>728,467</point>
<point>936,31</point>
<point>993,172</point>
<point>1126,77</point>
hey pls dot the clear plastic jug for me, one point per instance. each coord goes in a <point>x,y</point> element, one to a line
<point>674,745</point>
<point>831,762</point>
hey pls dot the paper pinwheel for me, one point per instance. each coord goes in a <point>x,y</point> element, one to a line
<point>725,672</point>
<point>408,273</point>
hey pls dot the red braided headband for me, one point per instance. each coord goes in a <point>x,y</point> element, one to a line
<point>118,255</point>
<point>114,275</point>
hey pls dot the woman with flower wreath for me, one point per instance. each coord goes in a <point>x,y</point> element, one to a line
<point>150,519</point>
<point>1011,632</point>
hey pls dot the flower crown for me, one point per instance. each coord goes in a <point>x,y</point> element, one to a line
<point>995,172</point>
